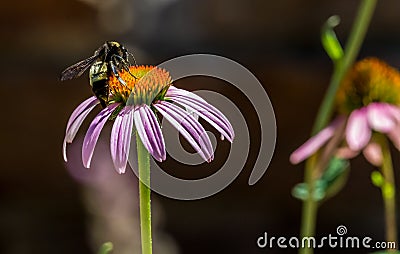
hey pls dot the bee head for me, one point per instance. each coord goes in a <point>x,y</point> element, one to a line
<point>117,49</point>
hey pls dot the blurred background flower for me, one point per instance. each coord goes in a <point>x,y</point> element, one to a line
<point>368,102</point>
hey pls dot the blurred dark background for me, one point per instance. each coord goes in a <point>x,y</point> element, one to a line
<point>45,209</point>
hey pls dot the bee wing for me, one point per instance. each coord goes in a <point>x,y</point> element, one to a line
<point>77,69</point>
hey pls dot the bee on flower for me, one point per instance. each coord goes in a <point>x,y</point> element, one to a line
<point>134,105</point>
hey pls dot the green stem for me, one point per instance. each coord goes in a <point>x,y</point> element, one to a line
<point>388,193</point>
<point>357,34</point>
<point>310,206</point>
<point>144,195</point>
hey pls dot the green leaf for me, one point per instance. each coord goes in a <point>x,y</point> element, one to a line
<point>336,176</point>
<point>106,248</point>
<point>329,39</point>
<point>331,181</point>
<point>377,178</point>
<point>388,190</point>
<point>300,191</point>
<point>336,167</point>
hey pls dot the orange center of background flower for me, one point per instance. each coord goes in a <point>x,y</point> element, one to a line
<point>370,80</point>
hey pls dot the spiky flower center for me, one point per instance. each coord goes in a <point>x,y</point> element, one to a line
<point>370,80</point>
<point>144,84</point>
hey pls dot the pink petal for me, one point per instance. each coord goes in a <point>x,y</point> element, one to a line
<point>380,117</point>
<point>314,143</point>
<point>75,121</point>
<point>81,108</point>
<point>208,112</point>
<point>93,133</point>
<point>394,111</point>
<point>358,132</point>
<point>121,139</point>
<point>346,153</point>
<point>189,128</point>
<point>149,132</point>
<point>373,153</point>
<point>174,92</point>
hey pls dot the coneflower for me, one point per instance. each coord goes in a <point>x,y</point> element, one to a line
<point>135,106</point>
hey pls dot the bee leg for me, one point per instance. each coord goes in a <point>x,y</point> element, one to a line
<point>115,71</point>
<point>132,74</point>
<point>134,60</point>
<point>124,64</point>
<point>103,103</point>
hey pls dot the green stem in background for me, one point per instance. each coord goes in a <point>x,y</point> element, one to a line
<point>388,192</point>
<point>310,206</point>
<point>144,195</point>
<point>352,48</point>
<point>357,34</point>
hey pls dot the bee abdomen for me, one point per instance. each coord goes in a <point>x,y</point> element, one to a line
<point>100,89</point>
<point>99,82</point>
